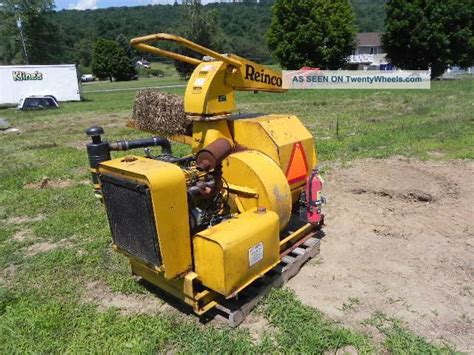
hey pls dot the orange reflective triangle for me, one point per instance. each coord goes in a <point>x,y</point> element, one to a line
<point>297,167</point>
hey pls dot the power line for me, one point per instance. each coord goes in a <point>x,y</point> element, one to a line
<point>60,46</point>
<point>29,39</point>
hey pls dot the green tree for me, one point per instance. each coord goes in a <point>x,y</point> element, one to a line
<point>422,34</point>
<point>124,43</point>
<point>109,61</point>
<point>370,15</point>
<point>316,33</point>
<point>200,26</point>
<point>83,52</point>
<point>40,35</point>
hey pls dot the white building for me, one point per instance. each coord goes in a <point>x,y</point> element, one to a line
<point>368,53</point>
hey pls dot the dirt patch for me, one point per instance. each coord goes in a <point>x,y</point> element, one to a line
<point>24,219</point>
<point>400,240</point>
<point>100,294</point>
<point>436,154</point>
<point>346,350</point>
<point>81,145</point>
<point>7,274</point>
<point>22,235</point>
<point>74,125</point>
<point>44,247</point>
<point>257,325</point>
<point>413,195</point>
<point>47,183</point>
<point>41,146</point>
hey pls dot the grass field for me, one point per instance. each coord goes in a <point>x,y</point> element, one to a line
<point>55,242</point>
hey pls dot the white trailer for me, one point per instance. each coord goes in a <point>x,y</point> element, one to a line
<point>20,81</point>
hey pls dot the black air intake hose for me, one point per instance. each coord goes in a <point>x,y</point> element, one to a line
<point>143,143</point>
<point>98,150</point>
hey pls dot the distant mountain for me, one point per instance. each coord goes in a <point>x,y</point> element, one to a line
<point>243,26</point>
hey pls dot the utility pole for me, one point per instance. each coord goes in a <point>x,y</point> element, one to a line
<point>20,27</point>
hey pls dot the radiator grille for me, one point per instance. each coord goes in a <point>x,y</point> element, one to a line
<point>131,218</point>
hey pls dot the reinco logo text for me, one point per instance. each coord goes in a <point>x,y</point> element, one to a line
<point>261,76</point>
<point>24,76</point>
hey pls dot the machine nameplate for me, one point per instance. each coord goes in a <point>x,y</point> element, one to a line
<point>255,254</point>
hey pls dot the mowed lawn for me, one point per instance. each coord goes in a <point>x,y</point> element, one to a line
<point>55,243</point>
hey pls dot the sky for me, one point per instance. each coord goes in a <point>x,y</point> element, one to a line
<point>95,4</point>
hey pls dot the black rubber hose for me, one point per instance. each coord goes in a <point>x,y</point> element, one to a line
<point>143,143</point>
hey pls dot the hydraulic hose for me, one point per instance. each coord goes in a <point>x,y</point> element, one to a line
<point>142,143</point>
<point>98,150</point>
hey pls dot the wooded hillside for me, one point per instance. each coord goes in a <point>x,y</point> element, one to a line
<point>242,27</point>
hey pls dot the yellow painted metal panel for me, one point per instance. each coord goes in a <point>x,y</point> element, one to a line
<point>276,135</point>
<point>181,288</point>
<point>168,192</point>
<point>249,134</point>
<point>232,254</point>
<point>207,93</point>
<point>285,131</point>
<point>210,90</point>
<point>254,170</point>
<point>209,263</point>
<point>251,76</point>
<point>206,132</point>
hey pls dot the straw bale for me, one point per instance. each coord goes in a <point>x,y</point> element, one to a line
<point>159,112</point>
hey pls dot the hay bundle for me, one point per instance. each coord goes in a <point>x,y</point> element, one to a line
<point>160,113</point>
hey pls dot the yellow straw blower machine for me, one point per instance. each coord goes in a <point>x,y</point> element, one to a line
<point>204,227</point>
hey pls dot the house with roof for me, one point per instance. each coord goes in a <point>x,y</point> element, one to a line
<point>368,54</point>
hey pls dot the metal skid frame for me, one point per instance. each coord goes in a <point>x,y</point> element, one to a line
<point>295,249</point>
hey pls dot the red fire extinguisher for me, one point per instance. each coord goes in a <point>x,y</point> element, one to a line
<point>313,200</point>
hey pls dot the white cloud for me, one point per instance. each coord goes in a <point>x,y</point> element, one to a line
<point>84,5</point>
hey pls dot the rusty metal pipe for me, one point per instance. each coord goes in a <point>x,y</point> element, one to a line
<point>212,156</point>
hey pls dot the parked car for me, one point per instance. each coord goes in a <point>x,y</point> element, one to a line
<point>87,77</point>
<point>143,64</point>
<point>38,102</point>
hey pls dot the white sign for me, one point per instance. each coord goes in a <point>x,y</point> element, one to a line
<point>20,81</point>
<point>356,79</point>
<point>255,254</point>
